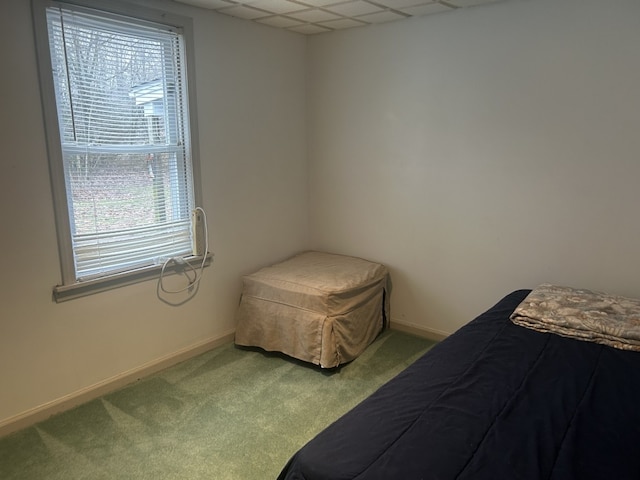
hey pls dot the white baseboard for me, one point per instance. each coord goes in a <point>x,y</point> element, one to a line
<point>42,412</point>
<point>418,330</point>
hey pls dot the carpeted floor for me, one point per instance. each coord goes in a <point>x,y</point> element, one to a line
<point>229,413</point>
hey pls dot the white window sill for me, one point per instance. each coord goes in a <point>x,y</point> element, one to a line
<point>62,293</point>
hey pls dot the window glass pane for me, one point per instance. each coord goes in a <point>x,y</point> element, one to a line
<point>122,116</point>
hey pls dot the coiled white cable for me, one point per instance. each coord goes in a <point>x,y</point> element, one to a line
<point>181,261</point>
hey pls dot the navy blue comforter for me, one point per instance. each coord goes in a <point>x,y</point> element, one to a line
<point>493,401</point>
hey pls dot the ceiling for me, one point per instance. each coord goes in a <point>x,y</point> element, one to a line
<point>317,16</point>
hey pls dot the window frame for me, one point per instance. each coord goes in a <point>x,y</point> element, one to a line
<point>69,287</point>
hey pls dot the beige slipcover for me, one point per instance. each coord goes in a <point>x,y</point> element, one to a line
<point>317,307</point>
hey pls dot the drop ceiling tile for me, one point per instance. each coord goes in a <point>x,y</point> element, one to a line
<point>242,11</point>
<point>355,8</point>
<point>279,21</point>
<point>309,29</point>
<point>314,16</point>
<point>400,4</point>
<point>469,3</point>
<point>277,6</point>
<point>381,17</point>
<point>318,3</point>
<point>343,23</point>
<point>213,4</point>
<point>426,9</point>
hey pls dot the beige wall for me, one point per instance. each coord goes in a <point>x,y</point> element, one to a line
<point>480,151</point>
<point>251,104</point>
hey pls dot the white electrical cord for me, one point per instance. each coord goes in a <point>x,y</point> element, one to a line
<point>181,261</point>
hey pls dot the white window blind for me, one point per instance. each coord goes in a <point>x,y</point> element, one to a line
<point>121,101</point>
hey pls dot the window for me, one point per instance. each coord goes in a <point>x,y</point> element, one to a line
<point>121,144</point>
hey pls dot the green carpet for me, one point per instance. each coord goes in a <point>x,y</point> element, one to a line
<point>229,413</point>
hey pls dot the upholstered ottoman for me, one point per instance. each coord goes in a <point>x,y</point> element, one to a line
<point>317,307</point>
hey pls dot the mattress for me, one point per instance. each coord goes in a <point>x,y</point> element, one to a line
<point>492,401</point>
<point>318,307</point>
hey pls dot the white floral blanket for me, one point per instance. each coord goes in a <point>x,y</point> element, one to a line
<point>582,314</point>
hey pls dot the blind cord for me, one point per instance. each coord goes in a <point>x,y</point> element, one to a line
<point>197,274</point>
<point>68,74</point>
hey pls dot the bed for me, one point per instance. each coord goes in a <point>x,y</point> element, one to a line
<point>495,400</point>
